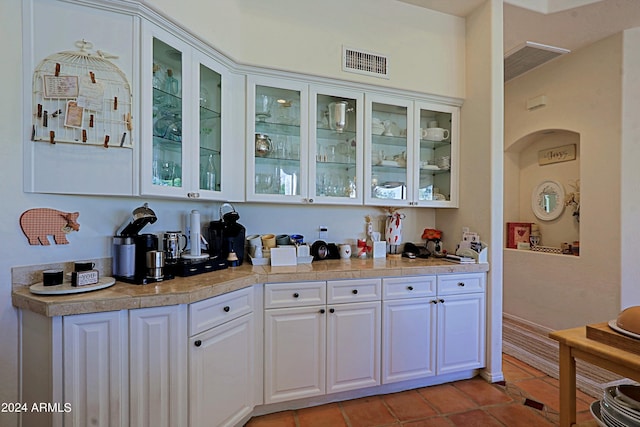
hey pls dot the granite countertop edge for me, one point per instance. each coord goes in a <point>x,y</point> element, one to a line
<point>186,290</point>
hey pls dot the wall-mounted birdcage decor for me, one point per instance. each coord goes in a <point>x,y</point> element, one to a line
<point>81,97</point>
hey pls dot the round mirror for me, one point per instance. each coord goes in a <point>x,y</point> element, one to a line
<point>547,200</point>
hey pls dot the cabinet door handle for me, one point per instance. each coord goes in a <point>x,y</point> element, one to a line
<point>441,300</point>
<point>355,291</point>
<point>193,195</point>
<point>331,310</point>
<point>434,301</point>
<point>197,343</point>
<point>322,311</point>
<point>460,283</point>
<point>226,308</point>
<point>296,295</point>
<point>410,288</point>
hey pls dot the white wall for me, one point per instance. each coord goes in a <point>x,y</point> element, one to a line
<point>629,195</point>
<point>481,152</point>
<point>425,48</point>
<point>427,52</point>
<point>584,91</point>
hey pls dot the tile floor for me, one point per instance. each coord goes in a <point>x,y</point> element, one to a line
<point>527,398</point>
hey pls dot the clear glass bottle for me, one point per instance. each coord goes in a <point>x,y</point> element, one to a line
<point>171,84</point>
<point>210,175</point>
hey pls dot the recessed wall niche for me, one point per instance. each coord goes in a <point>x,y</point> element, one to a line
<point>528,163</point>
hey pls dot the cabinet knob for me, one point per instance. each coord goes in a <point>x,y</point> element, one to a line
<point>355,291</point>
<point>310,200</point>
<point>331,310</point>
<point>441,300</point>
<point>296,295</point>
<point>460,283</point>
<point>193,195</point>
<point>410,288</point>
<point>197,343</point>
<point>226,308</point>
<point>322,311</point>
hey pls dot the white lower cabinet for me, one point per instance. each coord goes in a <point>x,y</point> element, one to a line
<point>95,369</point>
<point>461,322</point>
<point>313,348</point>
<point>408,328</point>
<point>221,360</point>
<point>433,325</point>
<point>353,346</point>
<point>157,361</point>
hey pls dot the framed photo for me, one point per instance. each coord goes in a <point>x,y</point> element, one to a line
<point>518,232</point>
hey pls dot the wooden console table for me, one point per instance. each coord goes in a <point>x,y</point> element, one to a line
<point>574,344</point>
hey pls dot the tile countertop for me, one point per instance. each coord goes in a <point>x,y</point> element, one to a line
<point>185,290</point>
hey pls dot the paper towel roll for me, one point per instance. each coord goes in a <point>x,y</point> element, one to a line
<point>195,233</point>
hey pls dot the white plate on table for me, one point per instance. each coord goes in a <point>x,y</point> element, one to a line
<point>66,288</point>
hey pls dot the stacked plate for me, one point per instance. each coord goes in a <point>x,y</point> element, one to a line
<point>620,407</point>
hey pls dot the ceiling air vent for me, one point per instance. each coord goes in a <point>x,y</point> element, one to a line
<point>361,62</point>
<point>527,57</point>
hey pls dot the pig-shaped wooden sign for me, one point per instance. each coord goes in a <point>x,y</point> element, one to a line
<point>39,223</point>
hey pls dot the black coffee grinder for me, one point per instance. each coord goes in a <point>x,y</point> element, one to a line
<point>227,237</point>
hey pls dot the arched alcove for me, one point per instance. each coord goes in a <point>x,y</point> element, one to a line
<point>549,155</point>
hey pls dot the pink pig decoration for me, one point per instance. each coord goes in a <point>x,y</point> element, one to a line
<point>39,223</point>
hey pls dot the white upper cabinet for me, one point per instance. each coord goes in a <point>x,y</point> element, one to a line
<point>388,150</point>
<point>78,162</point>
<point>187,132</point>
<point>277,148</point>
<point>335,146</point>
<point>411,152</point>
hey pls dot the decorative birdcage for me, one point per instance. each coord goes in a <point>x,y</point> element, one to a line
<point>81,97</point>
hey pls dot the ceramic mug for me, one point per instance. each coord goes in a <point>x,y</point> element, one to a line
<point>437,134</point>
<point>268,241</point>
<point>345,251</point>
<point>255,251</point>
<point>254,240</point>
<point>433,124</point>
<point>283,240</point>
<point>83,265</point>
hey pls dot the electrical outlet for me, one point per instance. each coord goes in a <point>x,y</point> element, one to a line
<point>323,232</point>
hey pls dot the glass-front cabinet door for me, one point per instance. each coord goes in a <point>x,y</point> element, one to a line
<point>277,129</point>
<point>184,136</point>
<point>436,153</point>
<point>389,149</point>
<point>335,146</point>
<point>164,169</point>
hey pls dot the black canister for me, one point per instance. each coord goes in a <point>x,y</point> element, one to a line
<point>144,244</point>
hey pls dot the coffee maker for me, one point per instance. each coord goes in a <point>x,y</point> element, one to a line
<point>227,238</point>
<point>136,258</point>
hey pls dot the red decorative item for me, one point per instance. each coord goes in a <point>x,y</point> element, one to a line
<point>363,248</point>
<point>39,223</point>
<point>431,234</point>
<point>517,232</point>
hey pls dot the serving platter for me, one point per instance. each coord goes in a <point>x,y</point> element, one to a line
<point>67,288</point>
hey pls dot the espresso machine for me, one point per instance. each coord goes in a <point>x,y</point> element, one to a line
<point>136,258</point>
<point>227,238</point>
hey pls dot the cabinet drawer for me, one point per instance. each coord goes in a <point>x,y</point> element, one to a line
<point>408,287</point>
<point>215,311</point>
<point>355,290</point>
<point>461,283</point>
<point>298,294</point>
